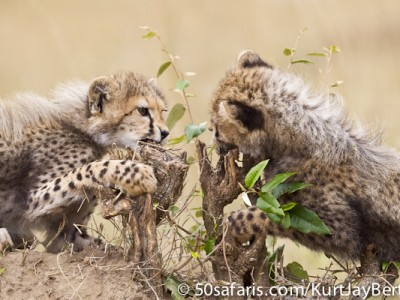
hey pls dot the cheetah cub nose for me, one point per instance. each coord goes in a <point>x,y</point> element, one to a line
<point>164,134</point>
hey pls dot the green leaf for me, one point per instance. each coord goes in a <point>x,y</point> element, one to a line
<point>396,264</point>
<point>176,113</point>
<point>270,262</point>
<point>275,218</point>
<point>209,245</point>
<point>289,188</point>
<point>288,51</point>
<point>192,131</point>
<point>316,54</point>
<point>2,270</point>
<point>149,35</point>
<point>296,270</point>
<point>173,209</point>
<point>269,198</point>
<point>182,84</point>
<point>307,221</point>
<point>176,140</point>
<point>254,174</point>
<point>288,206</point>
<point>163,68</point>
<point>190,160</point>
<point>198,212</point>
<point>275,181</point>
<point>286,221</point>
<point>301,61</point>
<point>194,228</point>
<point>172,285</point>
<point>191,241</point>
<point>385,265</point>
<point>269,204</point>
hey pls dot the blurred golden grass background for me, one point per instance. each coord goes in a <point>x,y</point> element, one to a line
<point>46,42</point>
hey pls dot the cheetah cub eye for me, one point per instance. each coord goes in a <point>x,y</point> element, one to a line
<point>144,111</point>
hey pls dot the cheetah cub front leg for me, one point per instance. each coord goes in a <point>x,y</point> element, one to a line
<point>134,178</point>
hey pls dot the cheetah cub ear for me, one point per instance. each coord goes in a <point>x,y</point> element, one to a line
<point>153,82</point>
<point>250,117</point>
<point>100,92</point>
<point>249,59</point>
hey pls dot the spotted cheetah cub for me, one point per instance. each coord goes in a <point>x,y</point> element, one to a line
<point>270,114</point>
<point>51,155</point>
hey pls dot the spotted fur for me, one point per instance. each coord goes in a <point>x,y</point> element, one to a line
<point>271,114</point>
<point>51,155</point>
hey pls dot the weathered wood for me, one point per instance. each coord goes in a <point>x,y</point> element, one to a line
<point>219,185</point>
<point>232,262</point>
<point>170,170</point>
<point>150,261</point>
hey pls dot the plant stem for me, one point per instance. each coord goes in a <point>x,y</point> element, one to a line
<point>299,36</point>
<point>178,75</point>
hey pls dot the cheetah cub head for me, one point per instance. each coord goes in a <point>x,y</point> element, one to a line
<point>238,117</point>
<point>125,108</point>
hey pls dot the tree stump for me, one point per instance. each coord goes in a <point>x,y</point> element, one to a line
<point>232,262</point>
<point>170,170</point>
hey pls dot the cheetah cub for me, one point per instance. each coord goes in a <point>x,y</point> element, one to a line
<point>51,155</point>
<point>270,114</point>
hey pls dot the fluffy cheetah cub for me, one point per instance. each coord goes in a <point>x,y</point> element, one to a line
<point>270,114</point>
<point>51,150</point>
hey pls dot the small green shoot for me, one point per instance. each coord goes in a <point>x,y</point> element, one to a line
<point>291,214</point>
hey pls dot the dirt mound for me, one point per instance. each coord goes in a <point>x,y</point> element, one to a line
<point>90,274</point>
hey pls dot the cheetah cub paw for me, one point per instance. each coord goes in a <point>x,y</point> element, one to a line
<point>140,181</point>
